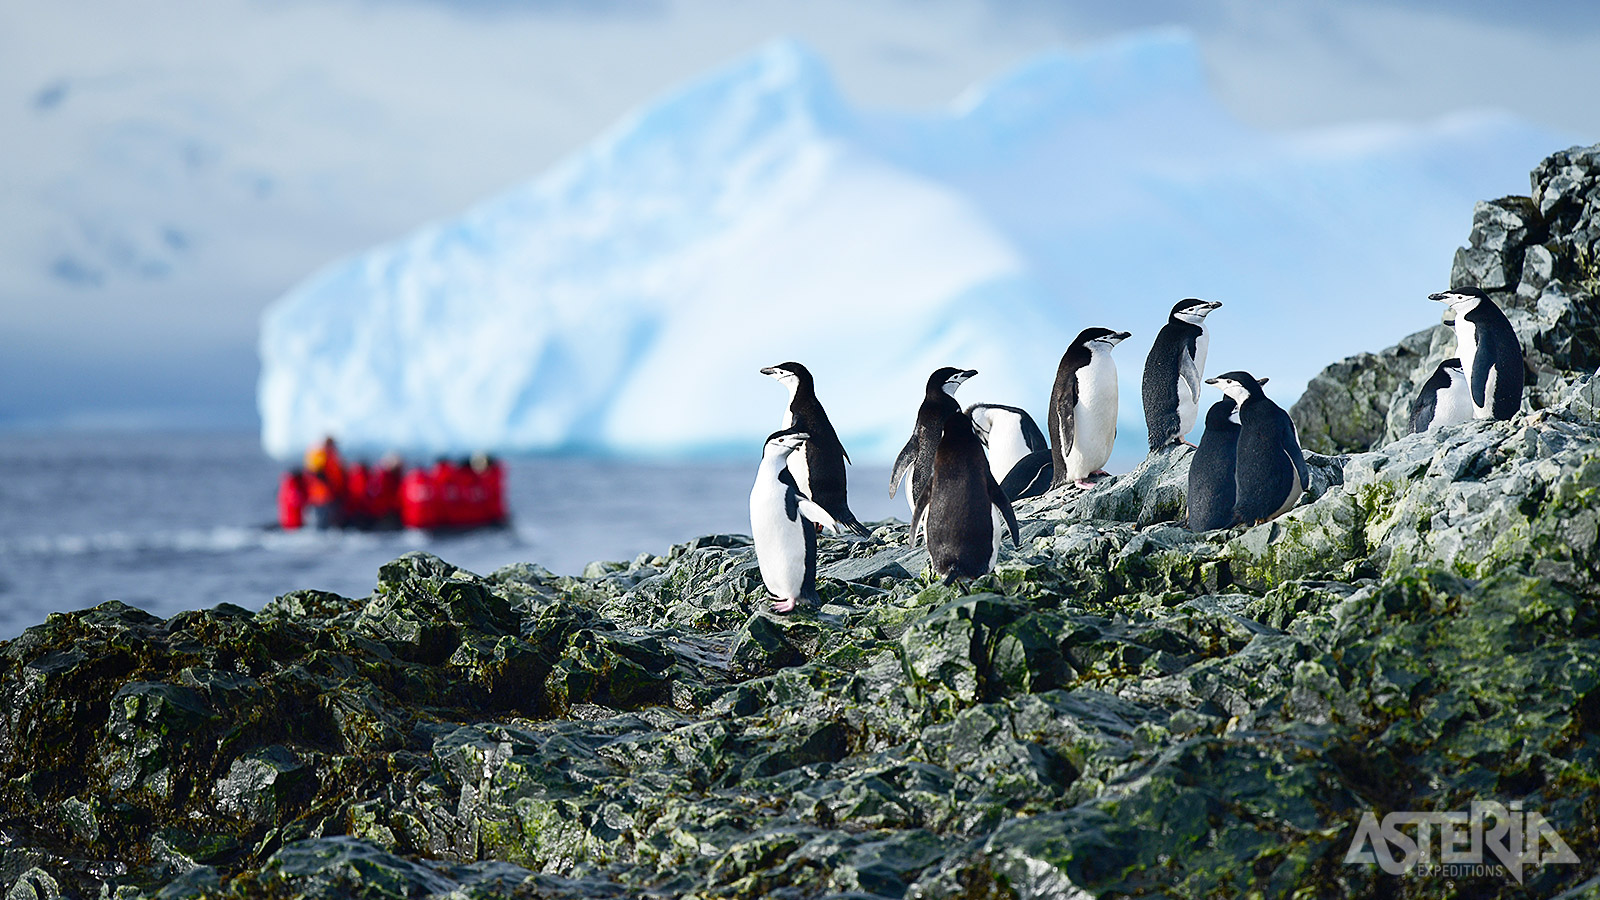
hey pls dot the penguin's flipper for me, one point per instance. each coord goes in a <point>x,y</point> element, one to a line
<point>902,464</point>
<point>1067,417</point>
<point>998,498</point>
<point>814,512</point>
<point>1030,476</point>
<point>1188,369</point>
<point>1482,363</point>
<point>1291,443</point>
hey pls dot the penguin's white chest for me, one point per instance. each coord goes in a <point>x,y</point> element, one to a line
<point>1467,352</point>
<point>1007,446</point>
<point>1094,418</point>
<point>1453,404</point>
<point>780,542</point>
<point>1190,373</point>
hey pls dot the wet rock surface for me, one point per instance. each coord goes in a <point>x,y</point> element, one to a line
<point>1123,708</point>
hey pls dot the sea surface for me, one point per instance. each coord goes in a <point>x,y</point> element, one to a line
<point>169,522</point>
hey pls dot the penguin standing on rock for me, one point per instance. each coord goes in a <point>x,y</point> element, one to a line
<point>1019,454</point>
<point>1172,373</point>
<point>781,520</point>
<point>1083,407</point>
<point>961,507</point>
<point>1490,354</point>
<point>819,470</point>
<point>938,402</point>
<point>1213,487</point>
<point>1444,399</point>
<point>1271,470</point>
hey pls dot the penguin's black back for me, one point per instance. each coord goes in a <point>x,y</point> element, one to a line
<point>1213,490</point>
<point>1063,401</point>
<point>960,527</point>
<point>1498,347</point>
<point>931,415</point>
<point>1268,457</point>
<point>1030,477</point>
<point>824,457</point>
<point>1160,387</point>
<point>1427,402</point>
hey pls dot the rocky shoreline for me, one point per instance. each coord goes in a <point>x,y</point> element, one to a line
<point>1122,709</point>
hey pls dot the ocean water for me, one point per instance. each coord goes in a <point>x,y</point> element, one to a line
<point>169,522</point>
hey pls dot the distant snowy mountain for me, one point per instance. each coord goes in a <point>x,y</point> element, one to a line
<point>623,301</point>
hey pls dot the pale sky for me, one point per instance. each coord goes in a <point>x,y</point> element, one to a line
<point>172,166</point>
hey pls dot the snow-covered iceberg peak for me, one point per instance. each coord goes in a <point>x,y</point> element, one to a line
<point>623,301</point>
<point>1042,93</point>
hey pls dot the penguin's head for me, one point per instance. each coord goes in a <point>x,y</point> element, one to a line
<point>1461,300</point>
<point>979,414</point>
<point>1241,386</point>
<point>987,416</point>
<point>783,443</point>
<point>1453,370</point>
<point>790,374</point>
<point>948,379</point>
<point>1099,338</point>
<point>1193,310</point>
<point>1222,413</point>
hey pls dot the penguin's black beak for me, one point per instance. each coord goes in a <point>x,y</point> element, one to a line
<point>769,370</point>
<point>1122,336</point>
<point>1211,381</point>
<point>1442,296</point>
<point>1263,380</point>
<point>1213,304</point>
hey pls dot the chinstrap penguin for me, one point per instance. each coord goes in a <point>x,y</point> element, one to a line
<point>1213,490</point>
<point>1083,407</point>
<point>961,508</point>
<point>819,470</point>
<point>1172,373</point>
<point>1490,354</point>
<point>938,402</point>
<point>1444,399</point>
<point>1270,471</point>
<point>781,520</point>
<point>1019,453</point>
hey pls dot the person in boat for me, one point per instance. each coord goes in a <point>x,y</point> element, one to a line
<point>325,485</point>
<point>384,491</point>
<point>292,499</point>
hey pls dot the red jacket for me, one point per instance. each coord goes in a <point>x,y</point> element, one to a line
<point>384,491</point>
<point>419,500</point>
<point>291,500</point>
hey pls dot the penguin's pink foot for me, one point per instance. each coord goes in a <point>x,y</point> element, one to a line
<point>1189,442</point>
<point>1085,483</point>
<point>1100,472</point>
<point>783,606</point>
